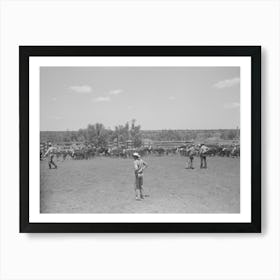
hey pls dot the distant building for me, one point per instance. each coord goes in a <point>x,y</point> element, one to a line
<point>147,143</point>
<point>165,144</point>
<point>171,144</point>
<point>129,144</point>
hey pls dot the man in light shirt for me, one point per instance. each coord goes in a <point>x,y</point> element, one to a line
<point>139,166</point>
<point>203,153</point>
<point>191,153</point>
<point>50,154</point>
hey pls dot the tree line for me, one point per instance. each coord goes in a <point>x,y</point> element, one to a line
<point>97,134</point>
<point>101,136</point>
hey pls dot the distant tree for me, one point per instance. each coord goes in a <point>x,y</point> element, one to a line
<point>67,136</point>
<point>97,134</point>
<point>229,134</point>
<point>135,133</point>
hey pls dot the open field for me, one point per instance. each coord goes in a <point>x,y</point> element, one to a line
<point>106,185</point>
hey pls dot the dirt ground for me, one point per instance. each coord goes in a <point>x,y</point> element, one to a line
<point>106,185</point>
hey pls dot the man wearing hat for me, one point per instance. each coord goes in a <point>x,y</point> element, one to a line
<point>139,166</point>
<point>50,154</point>
<point>203,152</point>
<point>191,150</point>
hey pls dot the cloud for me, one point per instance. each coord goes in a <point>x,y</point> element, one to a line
<point>232,105</point>
<point>55,118</point>
<point>171,98</point>
<point>102,99</point>
<point>115,92</point>
<point>227,83</point>
<point>54,99</point>
<point>81,89</point>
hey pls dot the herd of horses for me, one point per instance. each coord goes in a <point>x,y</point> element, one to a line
<point>89,151</point>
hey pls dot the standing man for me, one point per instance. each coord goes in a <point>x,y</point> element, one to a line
<point>139,166</point>
<point>203,153</point>
<point>50,154</point>
<point>191,153</point>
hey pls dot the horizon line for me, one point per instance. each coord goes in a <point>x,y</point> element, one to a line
<point>182,129</point>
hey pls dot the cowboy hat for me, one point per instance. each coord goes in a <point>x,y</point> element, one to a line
<point>136,155</point>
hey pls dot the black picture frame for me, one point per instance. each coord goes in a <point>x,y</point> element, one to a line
<point>25,52</point>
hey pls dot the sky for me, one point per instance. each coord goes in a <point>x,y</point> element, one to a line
<point>157,97</point>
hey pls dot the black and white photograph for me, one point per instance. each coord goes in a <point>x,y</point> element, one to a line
<point>141,138</point>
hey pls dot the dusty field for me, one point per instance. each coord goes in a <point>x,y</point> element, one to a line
<point>105,185</point>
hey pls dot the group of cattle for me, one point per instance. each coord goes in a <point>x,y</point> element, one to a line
<point>89,151</point>
<point>215,150</point>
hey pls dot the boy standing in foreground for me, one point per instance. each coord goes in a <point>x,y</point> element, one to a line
<point>139,166</point>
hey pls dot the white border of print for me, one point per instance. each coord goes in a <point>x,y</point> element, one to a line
<point>245,138</point>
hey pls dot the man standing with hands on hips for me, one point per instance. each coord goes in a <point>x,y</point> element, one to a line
<point>139,166</point>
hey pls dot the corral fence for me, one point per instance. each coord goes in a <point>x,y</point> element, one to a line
<point>149,147</point>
